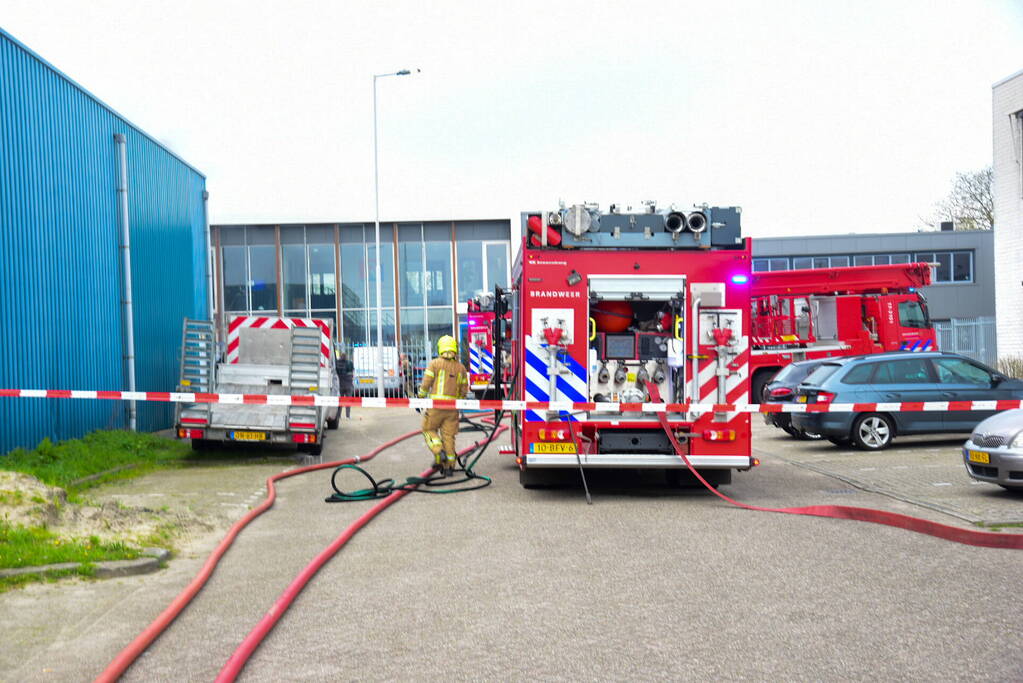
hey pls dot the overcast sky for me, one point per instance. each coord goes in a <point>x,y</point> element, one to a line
<point>815,117</point>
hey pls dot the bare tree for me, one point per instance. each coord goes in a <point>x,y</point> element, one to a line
<point>969,205</point>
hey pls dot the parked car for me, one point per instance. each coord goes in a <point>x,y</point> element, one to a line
<point>994,451</point>
<point>782,389</point>
<point>899,377</point>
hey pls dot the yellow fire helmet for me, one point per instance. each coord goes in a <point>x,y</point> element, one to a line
<point>447,344</point>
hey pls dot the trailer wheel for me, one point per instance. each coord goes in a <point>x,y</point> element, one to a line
<point>311,448</point>
<point>332,423</point>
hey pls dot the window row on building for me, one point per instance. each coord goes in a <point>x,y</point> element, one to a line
<point>951,266</point>
<point>428,271</point>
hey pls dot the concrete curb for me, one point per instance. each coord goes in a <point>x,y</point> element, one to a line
<point>154,557</point>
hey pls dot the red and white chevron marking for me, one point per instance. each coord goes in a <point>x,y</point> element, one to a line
<point>240,322</point>
<point>468,404</point>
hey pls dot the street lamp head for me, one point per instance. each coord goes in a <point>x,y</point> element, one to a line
<point>406,72</point>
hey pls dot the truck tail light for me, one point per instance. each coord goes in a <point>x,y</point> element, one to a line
<point>719,434</point>
<point>780,391</point>
<point>825,397</point>
<point>303,438</point>
<point>191,433</point>
<point>553,435</point>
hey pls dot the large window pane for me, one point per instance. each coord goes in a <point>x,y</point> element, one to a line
<point>386,273</point>
<point>900,258</point>
<point>497,266</point>
<point>961,271</point>
<point>293,265</point>
<point>263,278</point>
<point>943,273</point>
<point>863,260</point>
<point>235,279</point>
<point>470,269</point>
<point>882,259</point>
<point>410,273</point>
<point>387,330</point>
<point>438,273</point>
<point>779,264</point>
<point>761,265</point>
<point>354,330</point>
<point>839,261</point>
<point>439,322</point>
<point>322,288</point>
<point>821,262</point>
<point>802,262</point>
<point>353,275</point>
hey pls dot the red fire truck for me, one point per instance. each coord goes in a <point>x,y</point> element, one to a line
<point>631,307</point>
<point>480,336</point>
<point>819,313</point>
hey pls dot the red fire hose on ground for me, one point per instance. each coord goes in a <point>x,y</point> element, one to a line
<point>986,539</point>
<point>234,665</point>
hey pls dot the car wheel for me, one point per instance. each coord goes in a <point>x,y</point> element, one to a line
<point>760,380</point>
<point>873,432</point>
<point>800,435</point>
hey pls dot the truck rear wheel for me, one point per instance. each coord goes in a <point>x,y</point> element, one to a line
<point>201,444</point>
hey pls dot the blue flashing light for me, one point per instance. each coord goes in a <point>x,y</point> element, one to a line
<point>740,279</point>
<point>912,289</point>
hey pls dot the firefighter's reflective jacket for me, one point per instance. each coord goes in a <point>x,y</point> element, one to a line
<point>444,378</point>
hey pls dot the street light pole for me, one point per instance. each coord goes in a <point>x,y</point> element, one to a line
<point>376,201</point>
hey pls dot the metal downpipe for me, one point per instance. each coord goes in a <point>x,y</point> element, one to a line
<point>129,319</point>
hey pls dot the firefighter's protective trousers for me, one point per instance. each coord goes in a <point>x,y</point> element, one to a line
<point>444,378</point>
<point>439,430</point>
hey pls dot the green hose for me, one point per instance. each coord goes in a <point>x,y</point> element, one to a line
<point>385,487</point>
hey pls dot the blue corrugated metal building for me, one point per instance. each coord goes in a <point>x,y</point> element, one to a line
<point>61,317</point>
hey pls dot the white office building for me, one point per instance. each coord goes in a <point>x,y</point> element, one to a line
<point>1007,109</point>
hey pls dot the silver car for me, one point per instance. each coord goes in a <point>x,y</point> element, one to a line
<point>994,452</point>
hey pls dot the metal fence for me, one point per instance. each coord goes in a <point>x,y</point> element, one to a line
<point>401,380</point>
<point>972,337</point>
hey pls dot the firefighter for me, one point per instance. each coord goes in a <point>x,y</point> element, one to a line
<point>445,378</point>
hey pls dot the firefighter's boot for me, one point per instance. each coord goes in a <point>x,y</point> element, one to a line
<point>449,465</point>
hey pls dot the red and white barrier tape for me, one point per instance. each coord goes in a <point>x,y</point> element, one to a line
<point>469,404</point>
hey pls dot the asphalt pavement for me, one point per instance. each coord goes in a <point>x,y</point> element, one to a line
<point>513,584</point>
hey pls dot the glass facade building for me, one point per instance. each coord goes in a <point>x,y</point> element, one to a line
<point>428,270</point>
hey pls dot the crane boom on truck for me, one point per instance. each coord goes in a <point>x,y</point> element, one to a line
<point>820,313</point>
<point>615,307</point>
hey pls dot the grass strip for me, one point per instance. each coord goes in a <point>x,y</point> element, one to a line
<point>74,464</point>
<point>22,546</point>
